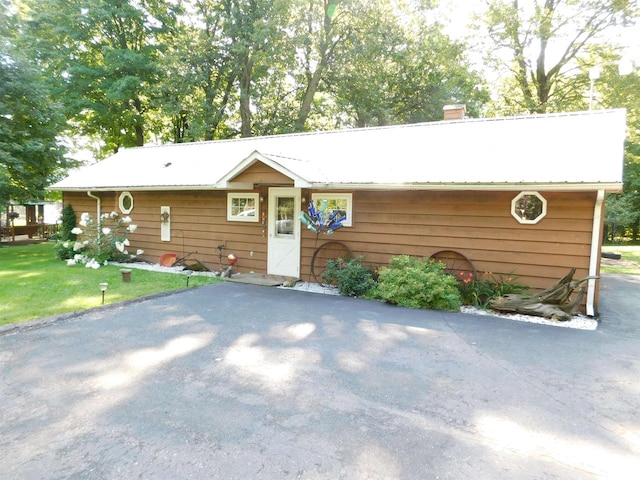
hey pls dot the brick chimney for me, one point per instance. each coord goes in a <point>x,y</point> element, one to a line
<point>455,112</point>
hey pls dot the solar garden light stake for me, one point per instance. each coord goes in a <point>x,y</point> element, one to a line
<point>103,288</point>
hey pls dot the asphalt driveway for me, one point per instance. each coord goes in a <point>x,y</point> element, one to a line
<point>233,381</point>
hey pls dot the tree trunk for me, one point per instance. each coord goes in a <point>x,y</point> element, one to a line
<point>326,49</point>
<point>139,136</point>
<point>305,106</point>
<point>246,129</point>
<point>139,129</point>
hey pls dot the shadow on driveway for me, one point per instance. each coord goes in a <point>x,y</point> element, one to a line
<point>235,381</point>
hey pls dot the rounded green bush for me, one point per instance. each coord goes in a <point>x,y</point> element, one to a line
<point>353,278</point>
<point>417,283</point>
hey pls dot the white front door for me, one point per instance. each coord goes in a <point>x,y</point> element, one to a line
<point>283,248</point>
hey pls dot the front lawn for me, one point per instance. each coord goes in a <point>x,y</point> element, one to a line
<point>34,284</point>
<point>629,263</point>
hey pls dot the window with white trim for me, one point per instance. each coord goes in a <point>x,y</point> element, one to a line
<point>242,207</point>
<point>336,201</point>
<point>529,207</point>
<point>125,202</point>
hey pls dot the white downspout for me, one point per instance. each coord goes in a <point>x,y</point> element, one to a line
<point>596,238</point>
<point>98,207</point>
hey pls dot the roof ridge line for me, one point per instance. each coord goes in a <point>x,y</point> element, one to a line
<point>524,116</point>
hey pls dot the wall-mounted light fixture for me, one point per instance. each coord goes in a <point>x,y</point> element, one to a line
<point>164,216</point>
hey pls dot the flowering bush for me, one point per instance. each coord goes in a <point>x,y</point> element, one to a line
<point>98,243</point>
<point>478,292</point>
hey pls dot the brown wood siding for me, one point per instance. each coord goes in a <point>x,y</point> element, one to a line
<point>259,173</point>
<point>479,225</point>
<point>81,202</point>
<point>198,224</point>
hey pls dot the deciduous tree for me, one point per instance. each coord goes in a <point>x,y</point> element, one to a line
<point>104,58</point>
<point>536,44</point>
<point>623,91</point>
<point>31,157</point>
<point>402,68</point>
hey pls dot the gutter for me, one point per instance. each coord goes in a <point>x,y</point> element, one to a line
<point>612,187</point>
<point>488,187</point>
<point>98,206</point>
<point>596,238</point>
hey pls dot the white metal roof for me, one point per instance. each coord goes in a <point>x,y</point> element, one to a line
<point>579,150</point>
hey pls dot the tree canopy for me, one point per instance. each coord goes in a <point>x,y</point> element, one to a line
<point>130,72</point>
<point>538,45</point>
<point>31,156</point>
<point>103,61</point>
<point>623,209</point>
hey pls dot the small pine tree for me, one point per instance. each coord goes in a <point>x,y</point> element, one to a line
<point>68,223</point>
<point>66,239</point>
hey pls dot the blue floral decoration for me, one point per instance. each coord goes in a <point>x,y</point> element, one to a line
<point>320,221</point>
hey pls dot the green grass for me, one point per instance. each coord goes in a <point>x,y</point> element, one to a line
<point>630,253</point>
<point>34,284</point>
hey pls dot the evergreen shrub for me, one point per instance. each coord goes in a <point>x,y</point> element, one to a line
<point>64,246</point>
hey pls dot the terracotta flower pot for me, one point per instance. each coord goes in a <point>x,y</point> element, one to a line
<point>126,274</point>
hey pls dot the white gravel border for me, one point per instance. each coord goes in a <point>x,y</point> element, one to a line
<point>156,267</point>
<point>580,322</point>
<point>313,288</point>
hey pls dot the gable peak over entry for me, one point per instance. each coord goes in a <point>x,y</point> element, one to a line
<point>260,169</point>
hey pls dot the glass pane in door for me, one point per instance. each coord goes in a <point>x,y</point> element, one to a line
<point>285,212</point>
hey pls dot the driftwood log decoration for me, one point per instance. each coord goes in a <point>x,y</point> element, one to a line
<point>555,302</point>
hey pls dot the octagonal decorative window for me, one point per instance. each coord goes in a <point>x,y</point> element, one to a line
<point>125,202</point>
<point>529,207</point>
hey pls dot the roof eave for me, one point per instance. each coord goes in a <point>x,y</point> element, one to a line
<point>134,188</point>
<point>611,187</point>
